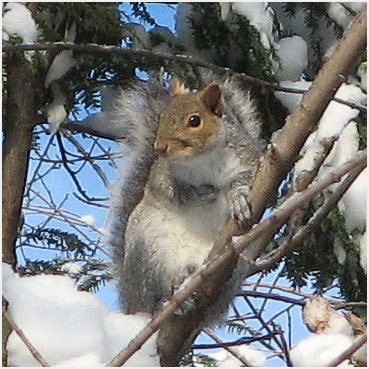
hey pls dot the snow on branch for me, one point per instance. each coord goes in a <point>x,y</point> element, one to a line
<point>114,50</point>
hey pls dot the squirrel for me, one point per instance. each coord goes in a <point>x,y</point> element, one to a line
<point>208,147</point>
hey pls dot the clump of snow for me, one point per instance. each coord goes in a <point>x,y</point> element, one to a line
<point>337,115</point>
<point>353,204</point>
<point>68,327</point>
<point>72,268</point>
<point>253,356</point>
<point>291,100</point>
<point>260,16</point>
<point>18,22</point>
<point>225,10</point>
<point>345,148</point>
<point>293,58</point>
<point>339,251</point>
<point>355,6</point>
<point>337,124</point>
<point>88,219</point>
<point>340,14</point>
<point>319,350</point>
<point>335,120</point>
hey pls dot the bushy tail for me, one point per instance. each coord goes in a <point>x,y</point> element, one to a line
<point>134,112</point>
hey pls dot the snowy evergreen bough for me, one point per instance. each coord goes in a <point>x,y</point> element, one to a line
<point>303,302</point>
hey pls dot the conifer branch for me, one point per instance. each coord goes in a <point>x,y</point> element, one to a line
<point>134,53</point>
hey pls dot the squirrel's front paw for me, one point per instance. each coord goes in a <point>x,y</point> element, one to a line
<point>240,204</point>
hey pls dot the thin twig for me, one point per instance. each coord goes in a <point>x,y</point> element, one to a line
<point>270,259</point>
<point>72,174</point>
<point>242,341</point>
<point>348,352</point>
<point>285,347</point>
<point>237,246</point>
<point>114,50</point>
<point>271,296</point>
<point>229,349</point>
<point>35,353</point>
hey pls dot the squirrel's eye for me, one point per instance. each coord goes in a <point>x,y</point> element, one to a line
<point>194,121</point>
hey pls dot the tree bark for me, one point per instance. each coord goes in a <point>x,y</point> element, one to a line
<point>20,109</point>
<point>175,336</point>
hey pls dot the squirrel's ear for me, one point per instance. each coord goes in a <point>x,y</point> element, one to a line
<point>212,98</point>
<point>176,87</point>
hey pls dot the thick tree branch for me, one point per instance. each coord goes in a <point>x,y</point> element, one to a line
<point>21,105</point>
<point>216,264</point>
<point>350,351</point>
<point>175,336</point>
<point>306,231</point>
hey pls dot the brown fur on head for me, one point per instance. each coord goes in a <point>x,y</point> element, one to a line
<point>189,125</point>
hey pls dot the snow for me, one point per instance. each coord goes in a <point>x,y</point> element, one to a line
<point>337,115</point>
<point>291,100</point>
<point>68,327</point>
<point>259,16</point>
<point>293,58</point>
<point>318,350</point>
<point>340,14</point>
<point>354,203</point>
<point>355,6</point>
<point>336,123</point>
<point>88,219</point>
<point>253,356</point>
<point>18,22</point>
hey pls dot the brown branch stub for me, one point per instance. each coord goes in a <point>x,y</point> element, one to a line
<point>9,319</point>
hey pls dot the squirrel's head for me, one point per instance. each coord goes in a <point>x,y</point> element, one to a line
<point>190,124</point>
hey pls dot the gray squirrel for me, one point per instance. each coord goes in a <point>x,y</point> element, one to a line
<point>197,153</point>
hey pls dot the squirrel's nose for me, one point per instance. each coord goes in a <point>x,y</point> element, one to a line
<point>161,146</point>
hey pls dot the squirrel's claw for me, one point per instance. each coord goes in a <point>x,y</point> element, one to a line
<point>240,205</point>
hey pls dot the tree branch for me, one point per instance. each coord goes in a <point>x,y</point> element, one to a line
<point>350,351</point>
<point>229,349</point>
<point>134,53</point>
<point>174,337</point>
<point>23,95</point>
<point>216,264</point>
<point>321,214</point>
<point>35,353</point>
